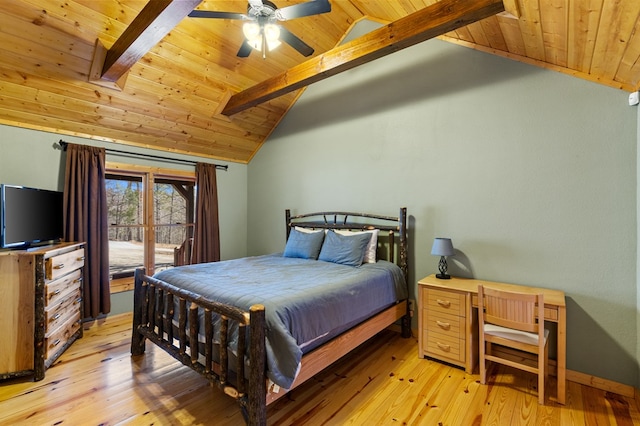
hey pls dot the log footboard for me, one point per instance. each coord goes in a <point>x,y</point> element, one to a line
<point>154,318</point>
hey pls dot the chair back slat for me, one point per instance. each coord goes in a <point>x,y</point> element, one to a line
<point>512,310</point>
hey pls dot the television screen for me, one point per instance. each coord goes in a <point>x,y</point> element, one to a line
<point>29,216</point>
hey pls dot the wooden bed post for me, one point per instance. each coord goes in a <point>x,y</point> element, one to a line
<point>404,265</point>
<point>139,294</point>
<point>287,219</point>
<point>257,396</point>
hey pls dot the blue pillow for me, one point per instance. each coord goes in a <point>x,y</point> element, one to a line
<point>305,245</point>
<point>347,250</point>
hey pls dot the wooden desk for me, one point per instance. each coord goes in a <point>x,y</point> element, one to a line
<point>448,322</point>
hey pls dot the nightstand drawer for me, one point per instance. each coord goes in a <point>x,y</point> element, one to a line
<point>444,301</point>
<point>438,322</point>
<point>445,347</point>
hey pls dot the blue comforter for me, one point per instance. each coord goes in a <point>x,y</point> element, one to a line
<point>306,301</point>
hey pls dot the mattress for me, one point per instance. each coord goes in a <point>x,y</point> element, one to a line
<point>307,302</point>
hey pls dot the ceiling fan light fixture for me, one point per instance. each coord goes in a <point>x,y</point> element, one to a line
<point>273,44</point>
<point>272,33</point>
<point>261,35</point>
<point>251,31</point>
<point>272,36</point>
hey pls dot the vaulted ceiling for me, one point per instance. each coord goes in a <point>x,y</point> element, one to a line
<point>177,95</point>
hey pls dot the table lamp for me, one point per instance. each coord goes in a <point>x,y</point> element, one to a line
<point>442,247</point>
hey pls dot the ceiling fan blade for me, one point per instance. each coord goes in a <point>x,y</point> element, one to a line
<point>220,15</point>
<point>245,49</point>
<point>256,3</point>
<point>292,40</point>
<point>312,7</point>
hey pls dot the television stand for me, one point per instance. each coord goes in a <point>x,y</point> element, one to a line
<point>41,289</point>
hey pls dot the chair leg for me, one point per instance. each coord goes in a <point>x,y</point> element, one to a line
<point>482,366</point>
<point>543,372</point>
<point>541,384</point>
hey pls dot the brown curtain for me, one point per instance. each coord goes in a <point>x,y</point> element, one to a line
<point>206,238</point>
<point>85,220</point>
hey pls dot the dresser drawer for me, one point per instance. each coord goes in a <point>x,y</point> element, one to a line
<point>443,323</point>
<point>55,290</point>
<point>56,315</point>
<point>445,347</point>
<point>59,337</point>
<point>444,301</point>
<point>62,264</point>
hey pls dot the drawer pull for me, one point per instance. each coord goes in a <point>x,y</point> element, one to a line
<point>56,316</point>
<point>55,293</point>
<point>56,343</point>
<point>59,266</point>
<point>444,347</point>
<point>79,259</point>
<point>444,303</point>
<point>443,325</point>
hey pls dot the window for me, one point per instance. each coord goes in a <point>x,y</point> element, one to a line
<point>151,213</point>
<point>173,213</point>
<point>125,213</point>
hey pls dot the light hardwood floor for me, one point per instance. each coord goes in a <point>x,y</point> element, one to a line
<point>97,382</point>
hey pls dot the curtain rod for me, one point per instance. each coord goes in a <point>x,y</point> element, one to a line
<point>224,167</point>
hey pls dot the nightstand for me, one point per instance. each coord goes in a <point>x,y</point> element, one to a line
<point>448,328</point>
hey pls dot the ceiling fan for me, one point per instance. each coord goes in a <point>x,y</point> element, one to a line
<point>261,30</point>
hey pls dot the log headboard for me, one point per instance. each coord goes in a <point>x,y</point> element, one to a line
<point>392,248</point>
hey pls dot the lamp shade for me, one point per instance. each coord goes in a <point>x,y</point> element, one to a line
<point>251,30</point>
<point>442,247</point>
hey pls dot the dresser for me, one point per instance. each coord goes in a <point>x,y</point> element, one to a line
<point>448,321</point>
<point>41,315</point>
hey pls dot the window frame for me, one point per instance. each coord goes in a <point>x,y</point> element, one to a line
<point>148,174</point>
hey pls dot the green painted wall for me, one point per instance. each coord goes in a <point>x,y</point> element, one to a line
<point>32,158</point>
<point>532,173</point>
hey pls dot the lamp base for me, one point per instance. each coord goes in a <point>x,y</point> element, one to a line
<point>443,276</point>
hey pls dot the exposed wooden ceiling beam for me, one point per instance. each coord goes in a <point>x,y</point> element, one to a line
<point>427,23</point>
<point>154,22</point>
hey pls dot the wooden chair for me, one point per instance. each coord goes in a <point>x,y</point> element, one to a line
<point>182,254</point>
<point>511,319</point>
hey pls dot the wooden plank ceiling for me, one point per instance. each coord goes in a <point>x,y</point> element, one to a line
<point>172,98</point>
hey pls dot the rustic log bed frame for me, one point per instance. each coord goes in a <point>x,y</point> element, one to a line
<point>154,314</point>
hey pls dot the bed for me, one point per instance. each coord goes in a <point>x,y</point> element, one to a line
<point>259,326</point>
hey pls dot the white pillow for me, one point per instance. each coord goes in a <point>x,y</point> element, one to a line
<point>307,230</point>
<point>370,253</point>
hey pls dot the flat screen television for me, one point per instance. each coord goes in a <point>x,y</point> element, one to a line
<point>29,216</point>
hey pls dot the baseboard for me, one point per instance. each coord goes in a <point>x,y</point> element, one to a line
<point>602,384</point>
